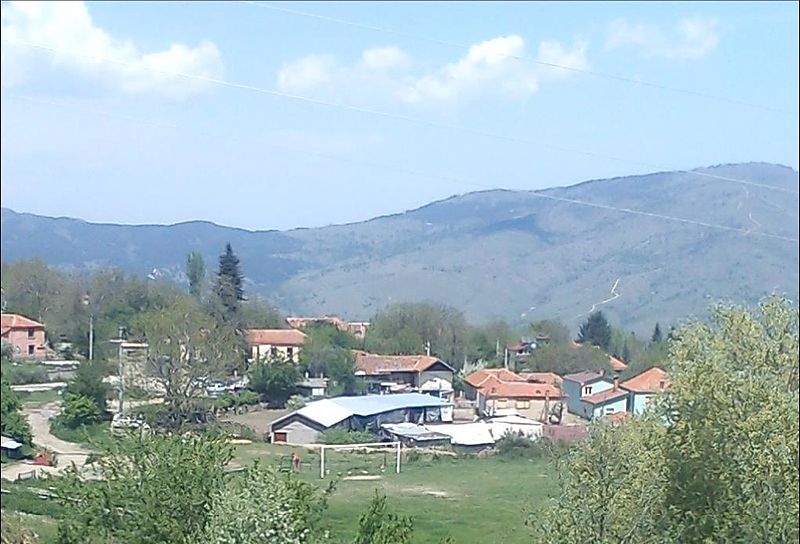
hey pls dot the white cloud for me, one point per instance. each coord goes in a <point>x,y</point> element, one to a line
<point>496,65</point>
<point>68,26</point>
<point>691,38</point>
<point>385,58</point>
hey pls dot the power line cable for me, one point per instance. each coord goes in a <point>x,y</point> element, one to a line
<point>585,71</point>
<point>389,115</point>
<point>460,181</point>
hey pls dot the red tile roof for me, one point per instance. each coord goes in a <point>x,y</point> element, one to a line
<point>497,389</point>
<point>649,381</point>
<point>275,337</point>
<point>604,396</point>
<point>617,417</point>
<point>541,377</point>
<point>477,378</point>
<point>16,321</point>
<point>616,364</point>
<point>375,365</point>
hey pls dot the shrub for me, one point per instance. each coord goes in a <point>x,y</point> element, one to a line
<point>344,436</point>
<point>515,446</point>
<point>79,410</point>
<point>23,373</point>
<point>295,402</point>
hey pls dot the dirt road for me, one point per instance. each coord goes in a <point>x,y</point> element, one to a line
<point>66,452</point>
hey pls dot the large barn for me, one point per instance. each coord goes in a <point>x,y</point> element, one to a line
<point>358,413</point>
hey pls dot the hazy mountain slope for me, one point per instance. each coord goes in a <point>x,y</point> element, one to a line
<point>510,254</point>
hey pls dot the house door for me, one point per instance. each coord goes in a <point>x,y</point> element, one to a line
<point>279,437</point>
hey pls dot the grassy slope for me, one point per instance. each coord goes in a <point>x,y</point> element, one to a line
<point>469,499</point>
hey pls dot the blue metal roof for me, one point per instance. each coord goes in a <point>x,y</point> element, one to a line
<point>377,404</point>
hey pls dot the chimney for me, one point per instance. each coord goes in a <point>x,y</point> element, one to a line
<point>616,383</point>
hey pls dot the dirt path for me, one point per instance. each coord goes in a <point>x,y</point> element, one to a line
<point>66,452</point>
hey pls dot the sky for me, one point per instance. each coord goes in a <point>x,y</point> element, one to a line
<point>267,115</point>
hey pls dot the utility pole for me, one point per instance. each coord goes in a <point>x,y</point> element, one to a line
<point>91,337</point>
<point>505,359</point>
<point>428,348</point>
<point>497,348</point>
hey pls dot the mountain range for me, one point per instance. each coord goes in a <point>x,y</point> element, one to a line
<point>657,247</point>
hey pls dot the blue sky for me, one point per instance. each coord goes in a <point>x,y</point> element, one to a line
<point>88,132</point>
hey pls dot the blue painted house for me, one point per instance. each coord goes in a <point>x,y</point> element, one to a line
<point>643,387</point>
<point>582,385</point>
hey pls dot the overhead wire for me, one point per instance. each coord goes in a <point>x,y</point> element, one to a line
<point>529,59</point>
<point>456,180</point>
<point>390,115</point>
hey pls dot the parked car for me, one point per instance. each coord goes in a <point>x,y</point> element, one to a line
<point>216,388</point>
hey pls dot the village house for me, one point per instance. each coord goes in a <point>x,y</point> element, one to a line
<point>583,384</point>
<point>643,387</point>
<point>266,343</point>
<point>25,336</point>
<point>498,389</point>
<point>356,328</point>
<point>394,373</point>
<point>541,377</point>
<point>313,388</point>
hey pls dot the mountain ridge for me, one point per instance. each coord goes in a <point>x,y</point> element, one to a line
<point>492,253</point>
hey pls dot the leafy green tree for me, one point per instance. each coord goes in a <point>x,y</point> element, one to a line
<point>77,411</point>
<point>196,272</point>
<point>596,331</point>
<point>405,329</point>
<point>12,423</point>
<point>228,288</point>
<point>327,352</point>
<point>88,383</point>
<point>380,526</point>
<point>154,489</point>
<point>716,458</point>
<point>657,336</point>
<point>275,380</point>
<point>263,507</point>
<point>186,345</point>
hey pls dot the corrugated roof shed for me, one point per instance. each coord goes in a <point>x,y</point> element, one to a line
<point>329,412</point>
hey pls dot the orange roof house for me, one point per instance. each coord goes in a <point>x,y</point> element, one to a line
<point>616,364</point>
<point>25,336</point>
<point>644,387</point>
<point>392,373</point>
<point>267,343</point>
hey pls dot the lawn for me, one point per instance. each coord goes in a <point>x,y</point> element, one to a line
<point>469,499</point>
<point>39,398</point>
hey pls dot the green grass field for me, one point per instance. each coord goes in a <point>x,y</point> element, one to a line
<point>469,499</point>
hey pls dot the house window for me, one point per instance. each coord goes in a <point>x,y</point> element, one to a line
<point>501,403</point>
<point>273,351</point>
<point>587,390</point>
<point>609,409</point>
<point>30,350</point>
<point>289,352</point>
<point>30,333</point>
<point>523,404</point>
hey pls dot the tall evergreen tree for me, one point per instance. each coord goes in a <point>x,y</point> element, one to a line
<point>229,281</point>
<point>626,353</point>
<point>657,336</point>
<point>196,272</point>
<point>596,331</point>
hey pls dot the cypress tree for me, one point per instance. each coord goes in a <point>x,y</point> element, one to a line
<point>596,331</point>
<point>229,281</point>
<point>657,337</point>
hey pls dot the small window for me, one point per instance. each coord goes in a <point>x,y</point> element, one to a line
<point>30,333</point>
<point>609,409</point>
<point>587,390</point>
<point>501,403</point>
<point>30,350</point>
<point>523,404</point>
<point>273,351</point>
<point>290,352</point>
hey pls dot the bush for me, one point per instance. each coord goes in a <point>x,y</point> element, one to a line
<point>295,402</point>
<point>79,410</point>
<point>515,446</point>
<point>12,423</point>
<point>23,373</point>
<point>344,436</point>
